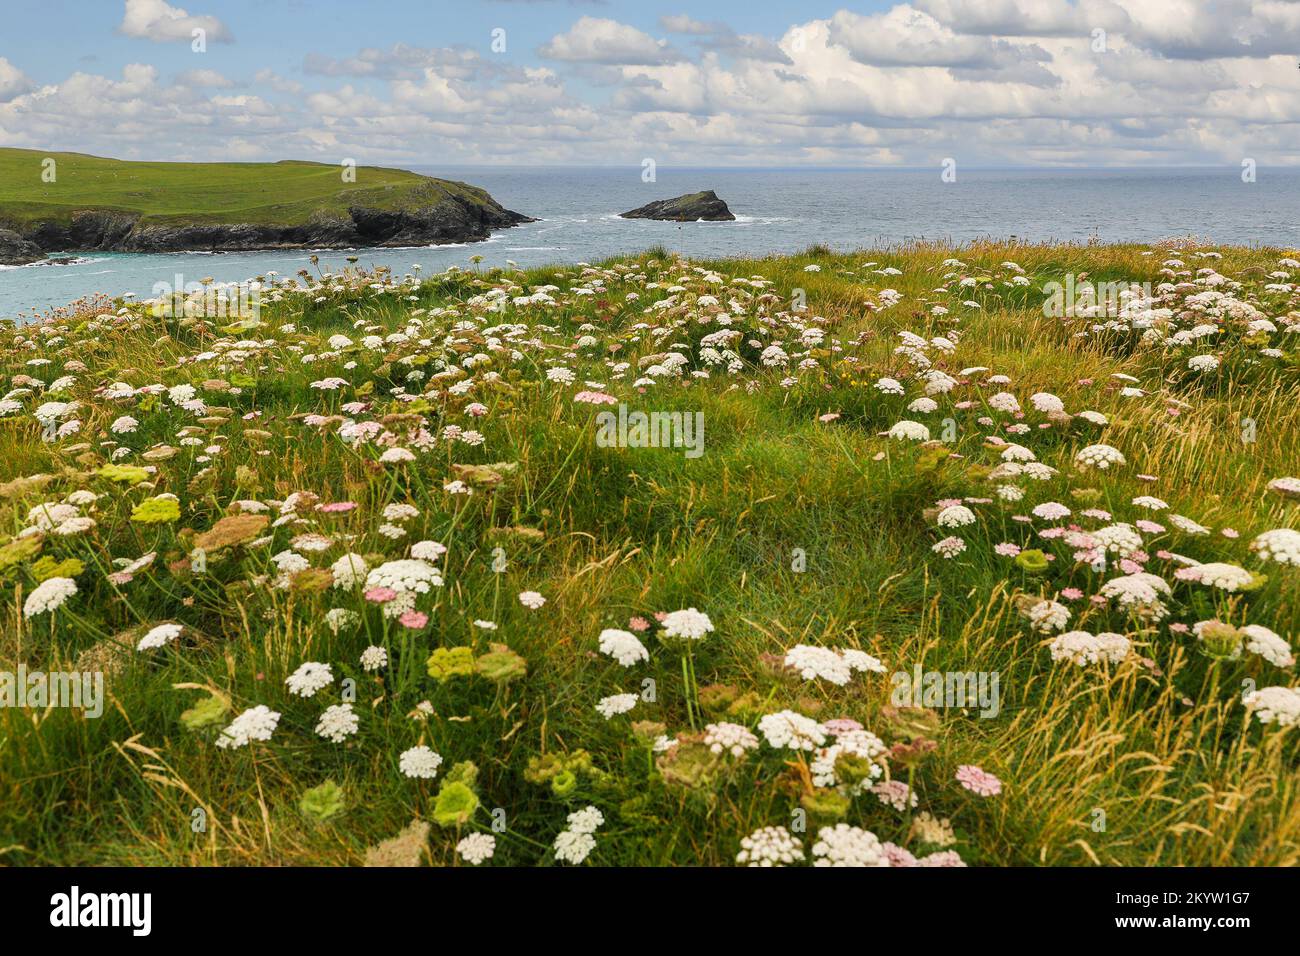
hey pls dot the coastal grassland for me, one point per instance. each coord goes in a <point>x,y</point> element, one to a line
<point>271,194</point>
<point>1148,760</point>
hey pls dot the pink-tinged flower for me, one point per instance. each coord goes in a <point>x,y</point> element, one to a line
<point>595,398</point>
<point>660,615</point>
<point>1129,567</point>
<point>1187,574</point>
<point>1071,594</point>
<point>947,502</point>
<point>1164,555</point>
<point>1006,549</point>
<point>1147,478</point>
<point>531,600</point>
<point>1230,533</point>
<point>897,855</point>
<point>121,577</point>
<point>841,725</point>
<point>638,624</point>
<point>476,409</point>
<point>380,595</point>
<point>1050,533</point>
<point>1172,412</point>
<point>1148,527</point>
<point>1098,600</point>
<point>978,781</point>
<point>828,417</point>
<point>942,858</point>
<point>336,507</point>
<point>1084,381</point>
<point>964,405</point>
<point>1179,628</point>
<point>415,620</point>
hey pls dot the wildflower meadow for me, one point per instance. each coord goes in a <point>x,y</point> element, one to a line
<point>897,558</point>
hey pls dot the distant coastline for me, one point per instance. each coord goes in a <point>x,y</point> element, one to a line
<point>71,203</point>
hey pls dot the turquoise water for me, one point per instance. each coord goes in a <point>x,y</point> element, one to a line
<point>778,211</point>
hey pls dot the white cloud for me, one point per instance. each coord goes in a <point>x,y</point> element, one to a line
<point>12,81</point>
<point>597,40</point>
<point>199,79</point>
<point>159,21</point>
<point>905,36</point>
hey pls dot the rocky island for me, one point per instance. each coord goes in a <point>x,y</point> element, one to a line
<point>693,207</point>
<point>76,203</point>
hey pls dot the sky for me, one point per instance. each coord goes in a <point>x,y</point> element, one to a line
<point>725,83</point>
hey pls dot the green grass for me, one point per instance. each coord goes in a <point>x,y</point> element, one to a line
<point>275,194</point>
<point>1150,761</point>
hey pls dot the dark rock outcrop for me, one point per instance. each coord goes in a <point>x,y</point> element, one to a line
<point>17,251</point>
<point>689,208</point>
<point>449,217</point>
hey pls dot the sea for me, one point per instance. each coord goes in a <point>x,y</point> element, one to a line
<point>778,211</point>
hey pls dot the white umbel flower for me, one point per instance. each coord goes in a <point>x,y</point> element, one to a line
<point>349,571</point>
<point>410,575</point>
<point>1279,705</point>
<point>616,704</point>
<point>624,646</point>
<point>789,729</point>
<point>1269,645</point>
<point>476,848</point>
<point>733,738</point>
<point>909,431</point>
<point>1100,456</point>
<point>587,820</point>
<point>1218,574</point>
<point>955,516</point>
<point>50,595</point>
<point>813,663</point>
<point>338,723</point>
<point>688,623</point>
<point>158,636</point>
<point>770,846</point>
<point>1083,648</point>
<point>1048,616</point>
<point>845,845</point>
<point>257,723</point>
<point>572,847</point>
<point>1281,545</point>
<point>420,762</point>
<point>374,658</point>
<point>309,678</point>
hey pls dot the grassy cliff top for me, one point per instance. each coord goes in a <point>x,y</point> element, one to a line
<point>283,193</point>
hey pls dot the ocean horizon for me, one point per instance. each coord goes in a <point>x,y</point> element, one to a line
<point>778,211</point>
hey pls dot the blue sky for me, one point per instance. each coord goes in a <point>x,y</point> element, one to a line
<point>44,37</point>
<point>1001,82</point>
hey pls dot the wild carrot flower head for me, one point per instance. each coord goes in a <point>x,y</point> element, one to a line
<point>978,781</point>
<point>689,624</point>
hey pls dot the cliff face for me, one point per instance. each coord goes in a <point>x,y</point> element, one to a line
<point>454,218</point>
<point>17,251</point>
